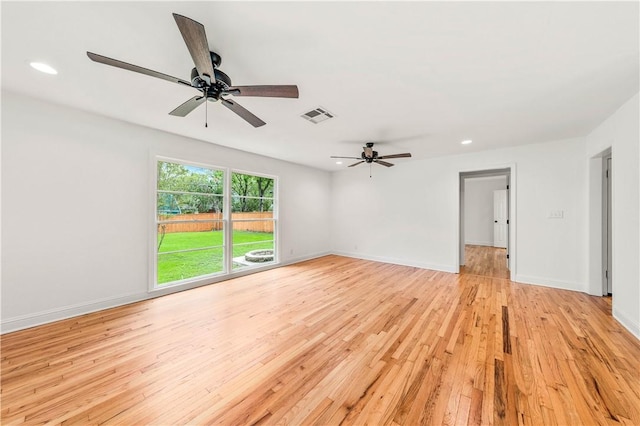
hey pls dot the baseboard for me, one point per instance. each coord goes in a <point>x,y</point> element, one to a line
<point>479,243</point>
<point>546,282</point>
<point>305,258</point>
<point>65,312</point>
<point>396,261</point>
<point>628,323</point>
<point>44,317</point>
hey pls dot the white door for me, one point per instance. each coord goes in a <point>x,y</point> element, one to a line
<point>500,218</point>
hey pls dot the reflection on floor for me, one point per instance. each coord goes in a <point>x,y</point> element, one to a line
<point>485,261</point>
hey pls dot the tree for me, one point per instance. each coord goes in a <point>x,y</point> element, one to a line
<point>251,193</point>
<point>263,184</point>
<point>196,189</point>
<point>241,186</point>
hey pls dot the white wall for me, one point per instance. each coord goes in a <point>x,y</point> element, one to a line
<point>76,212</point>
<point>478,208</point>
<point>408,214</point>
<point>621,133</point>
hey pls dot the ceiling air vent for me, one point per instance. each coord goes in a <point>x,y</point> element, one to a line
<point>317,115</point>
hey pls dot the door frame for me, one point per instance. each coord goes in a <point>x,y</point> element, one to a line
<point>597,221</point>
<point>607,230</point>
<point>508,170</point>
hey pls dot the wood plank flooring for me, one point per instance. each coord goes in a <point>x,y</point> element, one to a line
<point>485,261</point>
<point>332,341</point>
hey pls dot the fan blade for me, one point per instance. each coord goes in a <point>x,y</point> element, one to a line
<point>406,154</point>
<point>242,112</point>
<point>265,91</point>
<point>368,151</point>
<point>119,64</point>
<point>188,106</point>
<point>355,164</point>
<point>351,158</point>
<point>383,163</point>
<point>196,40</point>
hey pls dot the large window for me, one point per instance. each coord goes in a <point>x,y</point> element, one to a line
<point>210,222</point>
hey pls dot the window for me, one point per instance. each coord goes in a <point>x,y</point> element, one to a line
<point>190,224</point>
<point>252,220</point>
<point>210,223</point>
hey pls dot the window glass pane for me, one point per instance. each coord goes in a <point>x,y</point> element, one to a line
<point>176,206</point>
<point>183,178</point>
<point>245,232</point>
<point>252,204</point>
<point>253,254</point>
<point>251,193</point>
<point>253,243</point>
<point>189,236</point>
<point>183,265</point>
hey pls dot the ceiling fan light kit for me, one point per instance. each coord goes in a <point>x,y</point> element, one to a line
<point>212,83</point>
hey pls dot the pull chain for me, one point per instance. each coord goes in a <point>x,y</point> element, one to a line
<point>206,110</point>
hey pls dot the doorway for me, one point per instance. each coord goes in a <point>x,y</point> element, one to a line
<point>500,224</point>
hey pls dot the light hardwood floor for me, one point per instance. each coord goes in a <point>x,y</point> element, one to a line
<point>485,261</point>
<point>332,341</point>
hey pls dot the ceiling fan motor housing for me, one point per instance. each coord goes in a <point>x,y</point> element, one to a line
<point>216,59</point>
<point>222,82</point>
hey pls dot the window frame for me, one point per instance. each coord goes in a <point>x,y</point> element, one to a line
<point>227,224</point>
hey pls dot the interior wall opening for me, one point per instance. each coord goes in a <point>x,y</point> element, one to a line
<point>486,216</point>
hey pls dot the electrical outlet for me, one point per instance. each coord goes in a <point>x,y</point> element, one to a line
<point>556,214</point>
<point>291,251</point>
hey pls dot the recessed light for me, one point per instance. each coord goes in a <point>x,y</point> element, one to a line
<point>47,69</point>
<point>338,162</point>
<point>467,142</point>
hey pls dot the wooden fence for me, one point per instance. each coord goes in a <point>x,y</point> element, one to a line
<point>190,224</point>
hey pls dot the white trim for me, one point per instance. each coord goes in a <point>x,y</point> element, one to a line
<point>65,312</point>
<point>628,323</point>
<point>513,213</point>
<point>547,282</point>
<point>479,243</point>
<point>48,316</point>
<point>44,317</point>
<point>153,226</point>
<point>595,222</point>
<point>403,262</point>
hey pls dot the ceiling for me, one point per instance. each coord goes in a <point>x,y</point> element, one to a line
<point>412,76</point>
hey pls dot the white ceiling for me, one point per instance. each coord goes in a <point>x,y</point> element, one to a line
<point>413,76</point>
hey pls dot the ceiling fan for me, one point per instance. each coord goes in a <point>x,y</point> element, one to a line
<point>212,83</point>
<point>368,155</point>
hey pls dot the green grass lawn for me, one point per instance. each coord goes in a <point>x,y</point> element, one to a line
<point>202,260</point>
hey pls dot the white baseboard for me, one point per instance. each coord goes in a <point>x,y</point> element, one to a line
<point>546,282</point>
<point>479,243</point>
<point>395,261</point>
<point>632,325</point>
<point>65,312</point>
<point>57,314</point>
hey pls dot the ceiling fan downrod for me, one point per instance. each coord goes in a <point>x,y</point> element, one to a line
<point>206,109</point>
